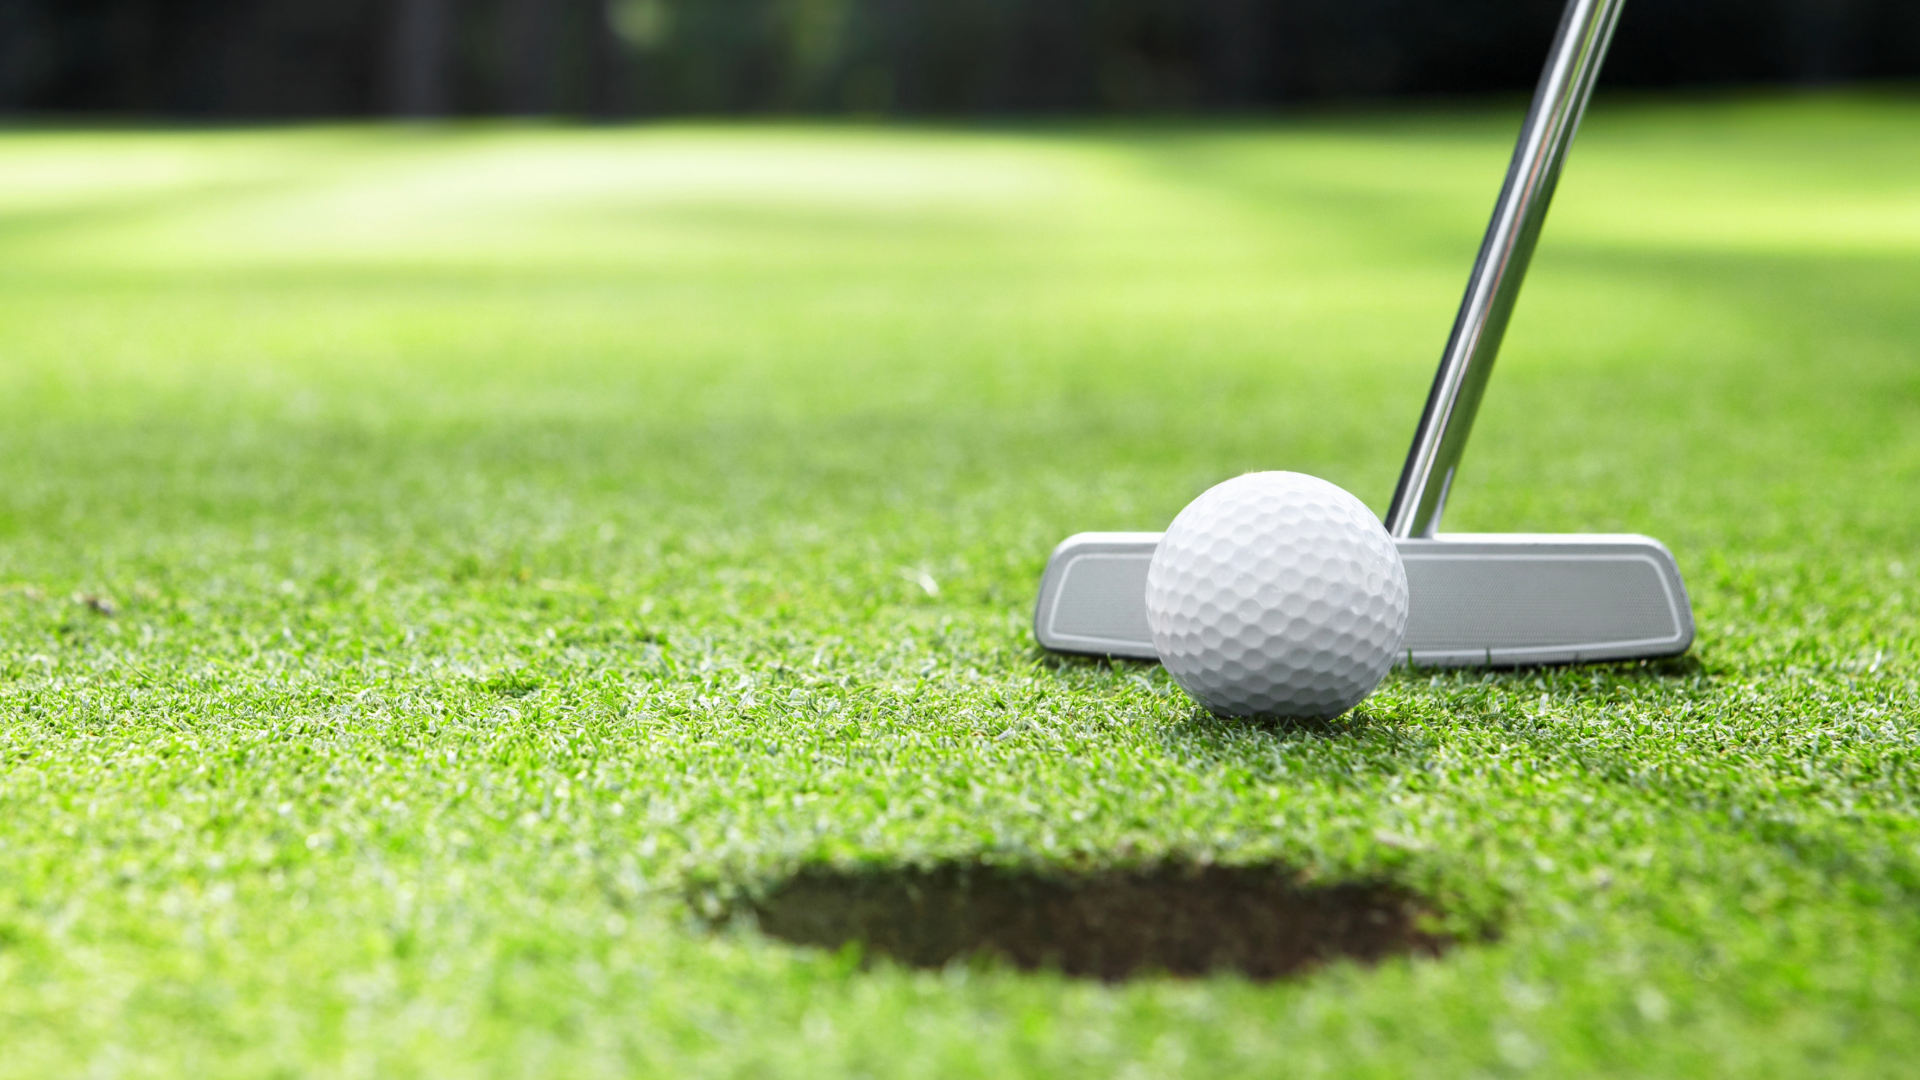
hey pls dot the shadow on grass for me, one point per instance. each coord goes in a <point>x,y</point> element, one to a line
<point>1053,661</point>
<point>1352,725</point>
<point>1261,922</point>
<point>1686,666</point>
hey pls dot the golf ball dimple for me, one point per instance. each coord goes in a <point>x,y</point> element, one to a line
<point>1277,594</point>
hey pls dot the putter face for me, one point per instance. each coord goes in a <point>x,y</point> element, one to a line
<point>1093,596</point>
<point>1496,600</point>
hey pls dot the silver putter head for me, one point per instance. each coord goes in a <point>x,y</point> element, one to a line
<point>1473,599</point>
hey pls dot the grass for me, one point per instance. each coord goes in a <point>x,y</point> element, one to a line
<point>435,565</point>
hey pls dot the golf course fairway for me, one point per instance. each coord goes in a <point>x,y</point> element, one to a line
<point>450,575</point>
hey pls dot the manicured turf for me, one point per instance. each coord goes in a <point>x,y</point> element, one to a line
<point>439,564</point>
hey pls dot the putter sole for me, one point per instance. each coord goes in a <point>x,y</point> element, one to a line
<point>1474,600</point>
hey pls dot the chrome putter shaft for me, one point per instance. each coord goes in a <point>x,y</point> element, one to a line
<point>1561,99</point>
<point>1492,599</point>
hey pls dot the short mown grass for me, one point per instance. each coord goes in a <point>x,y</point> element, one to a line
<point>441,568</point>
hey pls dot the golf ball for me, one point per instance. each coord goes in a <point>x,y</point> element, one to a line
<point>1277,594</point>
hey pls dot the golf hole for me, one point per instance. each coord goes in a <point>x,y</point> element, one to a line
<point>1262,922</point>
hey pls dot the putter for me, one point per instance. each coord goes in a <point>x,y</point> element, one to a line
<point>1492,599</point>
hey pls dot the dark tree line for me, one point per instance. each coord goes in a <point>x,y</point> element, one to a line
<point>636,57</point>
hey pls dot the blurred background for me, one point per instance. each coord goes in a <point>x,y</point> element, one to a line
<point>621,58</point>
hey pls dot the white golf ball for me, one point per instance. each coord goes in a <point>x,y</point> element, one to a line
<point>1277,594</point>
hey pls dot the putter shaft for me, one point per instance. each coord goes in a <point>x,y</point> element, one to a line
<point>1586,28</point>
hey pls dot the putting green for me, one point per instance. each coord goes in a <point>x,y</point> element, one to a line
<point>440,567</point>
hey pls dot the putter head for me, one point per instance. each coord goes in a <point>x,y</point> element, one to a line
<point>1474,599</point>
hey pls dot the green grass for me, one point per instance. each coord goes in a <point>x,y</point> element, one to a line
<point>435,562</point>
